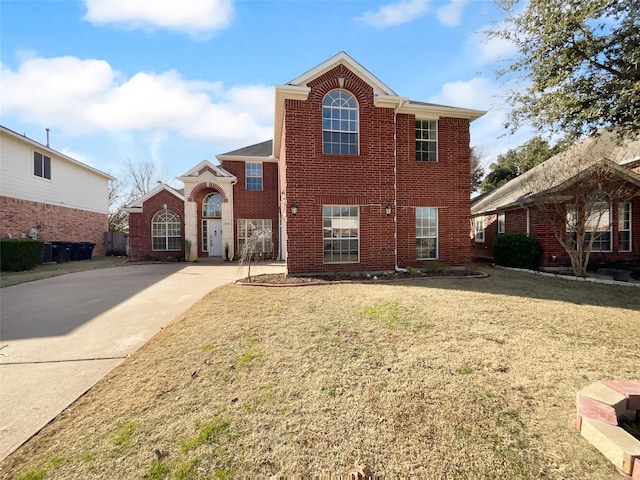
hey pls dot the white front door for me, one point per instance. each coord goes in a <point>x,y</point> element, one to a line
<point>214,240</point>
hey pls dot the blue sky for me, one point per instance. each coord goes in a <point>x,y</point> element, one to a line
<point>176,82</point>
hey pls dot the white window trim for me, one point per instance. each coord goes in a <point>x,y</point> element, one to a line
<point>166,235</point>
<point>358,238</point>
<point>436,237</point>
<point>42,166</point>
<point>478,229</point>
<point>501,219</point>
<point>357,120</point>
<point>570,209</point>
<point>435,129</point>
<point>243,224</point>
<point>204,203</point>
<point>620,225</point>
<point>247,177</point>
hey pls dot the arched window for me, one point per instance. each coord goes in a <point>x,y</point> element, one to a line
<point>165,231</point>
<point>340,123</point>
<point>212,206</point>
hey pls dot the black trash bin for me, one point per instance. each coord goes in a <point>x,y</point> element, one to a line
<point>61,251</point>
<point>47,253</point>
<point>74,251</point>
<point>87,250</point>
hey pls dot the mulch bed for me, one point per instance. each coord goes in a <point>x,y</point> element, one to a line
<point>283,280</point>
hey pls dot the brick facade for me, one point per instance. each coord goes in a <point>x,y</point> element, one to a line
<point>554,255</point>
<point>140,245</point>
<point>251,204</point>
<point>314,179</point>
<point>54,223</point>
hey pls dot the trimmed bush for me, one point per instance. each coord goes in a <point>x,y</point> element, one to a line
<point>19,254</point>
<point>517,250</point>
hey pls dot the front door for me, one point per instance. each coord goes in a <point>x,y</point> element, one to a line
<point>214,240</point>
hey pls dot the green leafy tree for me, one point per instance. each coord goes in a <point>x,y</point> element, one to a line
<point>578,64</point>
<point>518,160</point>
<point>477,170</point>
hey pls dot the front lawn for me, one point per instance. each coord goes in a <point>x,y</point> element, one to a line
<point>430,378</point>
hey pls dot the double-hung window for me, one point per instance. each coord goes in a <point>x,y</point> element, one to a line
<point>341,233</point>
<point>478,231</point>
<point>426,233</point>
<point>41,165</point>
<point>340,123</point>
<point>263,242</point>
<point>254,176</point>
<point>165,231</point>
<point>426,141</point>
<point>501,223</point>
<point>597,225</point>
<point>624,226</point>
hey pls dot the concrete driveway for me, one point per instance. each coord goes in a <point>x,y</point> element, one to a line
<point>63,334</point>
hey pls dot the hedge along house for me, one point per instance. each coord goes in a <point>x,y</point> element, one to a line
<point>50,196</point>
<point>357,178</point>
<point>598,177</point>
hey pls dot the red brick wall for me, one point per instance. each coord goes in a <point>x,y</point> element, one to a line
<point>314,179</point>
<point>140,245</point>
<point>251,204</point>
<point>516,222</point>
<point>54,223</point>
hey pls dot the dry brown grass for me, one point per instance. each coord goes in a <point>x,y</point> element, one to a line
<point>432,379</point>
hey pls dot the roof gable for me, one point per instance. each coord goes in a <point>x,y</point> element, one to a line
<point>137,204</point>
<point>205,165</point>
<point>563,170</point>
<point>342,58</point>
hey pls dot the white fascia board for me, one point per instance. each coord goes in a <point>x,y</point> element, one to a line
<point>141,200</point>
<point>285,92</point>
<point>425,111</point>
<point>245,158</point>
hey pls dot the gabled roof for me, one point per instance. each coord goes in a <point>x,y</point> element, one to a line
<point>259,150</point>
<point>217,170</point>
<point>51,151</point>
<point>384,97</point>
<point>136,206</point>
<point>563,170</point>
<point>342,58</point>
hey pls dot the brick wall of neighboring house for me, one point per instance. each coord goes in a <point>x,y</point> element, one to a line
<point>54,222</point>
<point>140,245</point>
<point>314,179</point>
<point>249,204</point>
<point>554,254</point>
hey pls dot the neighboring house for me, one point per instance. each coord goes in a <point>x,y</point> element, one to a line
<point>356,178</point>
<point>614,222</point>
<point>50,196</point>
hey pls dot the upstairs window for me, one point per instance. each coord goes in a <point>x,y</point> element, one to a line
<point>212,206</point>
<point>41,165</point>
<point>165,230</point>
<point>253,176</point>
<point>340,123</point>
<point>427,141</point>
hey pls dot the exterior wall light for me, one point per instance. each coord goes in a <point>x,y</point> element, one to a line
<point>387,209</point>
<point>294,208</point>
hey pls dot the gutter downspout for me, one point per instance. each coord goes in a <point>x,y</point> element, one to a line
<point>395,184</point>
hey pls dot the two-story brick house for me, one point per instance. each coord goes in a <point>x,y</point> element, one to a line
<point>357,178</point>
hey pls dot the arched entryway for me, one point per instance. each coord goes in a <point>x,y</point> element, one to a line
<point>211,224</point>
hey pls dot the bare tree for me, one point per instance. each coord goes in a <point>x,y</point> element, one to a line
<point>250,247</point>
<point>574,193</point>
<point>139,178</point>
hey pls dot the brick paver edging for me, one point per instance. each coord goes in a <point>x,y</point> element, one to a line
<point>601,406</point>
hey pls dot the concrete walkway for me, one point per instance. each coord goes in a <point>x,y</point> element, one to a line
<point>63,334</point>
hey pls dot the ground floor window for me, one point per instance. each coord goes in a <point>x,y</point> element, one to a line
<point>501,223</point>
<point>165,231</point>
<point>597,225</point>
<point>246,228</point>
<point>341,233</point>
<point>426,233</point>
<point>624,226</point>
<point>478,231</point>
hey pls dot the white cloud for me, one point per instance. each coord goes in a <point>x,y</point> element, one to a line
<point>393,14</point>
<point>195,17</point>
<point>450,15</point>
<point>87,96</point>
